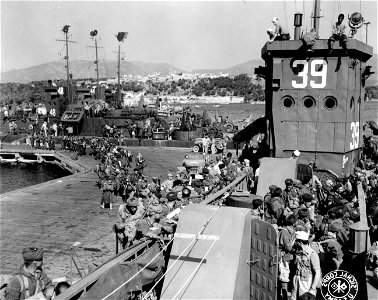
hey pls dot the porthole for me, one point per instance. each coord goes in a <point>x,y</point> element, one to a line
<point>288,102</point>
<point>308,102</point>
<point>330,103</point>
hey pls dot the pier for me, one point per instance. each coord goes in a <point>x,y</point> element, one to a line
<point>57,214</point>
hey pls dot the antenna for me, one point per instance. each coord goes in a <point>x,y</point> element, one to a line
<point>367,26</point>
<point>69,76</point>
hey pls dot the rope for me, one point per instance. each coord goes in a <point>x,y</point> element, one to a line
<point>123,284</point>
<point>176,260</point>
<point>195,270</point>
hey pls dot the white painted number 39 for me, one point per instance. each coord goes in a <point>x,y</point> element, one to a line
<point>355,128</point>
<point>314,71</point>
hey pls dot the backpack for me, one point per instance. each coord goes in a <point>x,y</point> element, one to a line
<point>341,232</point>
<point>304,269</point>
<point>24,286</point>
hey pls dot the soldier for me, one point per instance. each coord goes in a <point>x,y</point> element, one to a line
<point>275,207</point>
<point>30,279</point>
<point>128,215</point>
<point>286,243</point>
<point>281,33</point>
<point>167,185</point>
<point>107,187</point>
<point>338,34</point>
<point>256,210</point>
<point>307,267</point>
<point>154,185</point>
<point>150,226</point>
<point>290,194</point>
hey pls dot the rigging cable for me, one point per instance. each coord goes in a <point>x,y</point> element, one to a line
<point>61,50</point>
<point>175,261</point>
<point>195,270</point>
<point>304,13</point>
<point>165,247</point>
<point>105,62</point>
<point>284,4</point>
<point>76,63</point>
<point>362,21</point>
<point>333,13</point>
<point>132,277</point>
<point>181,254</point>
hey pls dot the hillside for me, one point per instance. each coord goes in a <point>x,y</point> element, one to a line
<point>244,68</point>
<point>83,69</point>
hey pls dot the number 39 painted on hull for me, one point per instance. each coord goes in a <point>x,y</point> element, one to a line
<point>355,128</point>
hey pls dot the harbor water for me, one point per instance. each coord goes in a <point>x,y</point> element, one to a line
<point>16,176</point>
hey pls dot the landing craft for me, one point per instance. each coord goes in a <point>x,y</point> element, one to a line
<point>314,103</point>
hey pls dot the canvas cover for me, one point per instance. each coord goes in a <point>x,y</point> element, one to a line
<point>120,273</point>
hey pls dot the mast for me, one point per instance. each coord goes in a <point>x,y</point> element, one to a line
<point>66,40</point>
<point>121,36</point>
<point>119,76</point>
<point>93,35</point>
<point>67,69</point>
<point>98,80</point>
<point>316,15</point>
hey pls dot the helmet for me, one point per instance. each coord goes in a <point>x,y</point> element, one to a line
<point>186,193</point>
<point>171,196</point>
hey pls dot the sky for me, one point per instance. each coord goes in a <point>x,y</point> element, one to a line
<point>187,34</point>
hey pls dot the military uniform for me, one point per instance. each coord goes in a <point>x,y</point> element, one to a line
<point>25,284</point>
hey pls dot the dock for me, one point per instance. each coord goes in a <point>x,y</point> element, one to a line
<point>57,214</point>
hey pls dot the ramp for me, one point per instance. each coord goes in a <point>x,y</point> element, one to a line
<point>264,260</point>
<point>215,265</point>
<point>275,171</point>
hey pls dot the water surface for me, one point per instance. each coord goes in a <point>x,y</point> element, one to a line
<point>16,176</point>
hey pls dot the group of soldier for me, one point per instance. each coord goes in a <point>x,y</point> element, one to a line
<point>312,218</point>
<point>154,201</point>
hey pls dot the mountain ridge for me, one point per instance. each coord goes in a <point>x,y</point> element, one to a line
<point>55,70</point>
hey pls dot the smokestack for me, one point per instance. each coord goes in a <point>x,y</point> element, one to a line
<point>297,24</point>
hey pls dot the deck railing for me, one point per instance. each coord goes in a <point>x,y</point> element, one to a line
<point>76,290</point>
<point>238,185</point>
<point>84,284</point>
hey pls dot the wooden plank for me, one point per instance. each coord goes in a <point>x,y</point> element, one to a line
<point>226,189</point>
